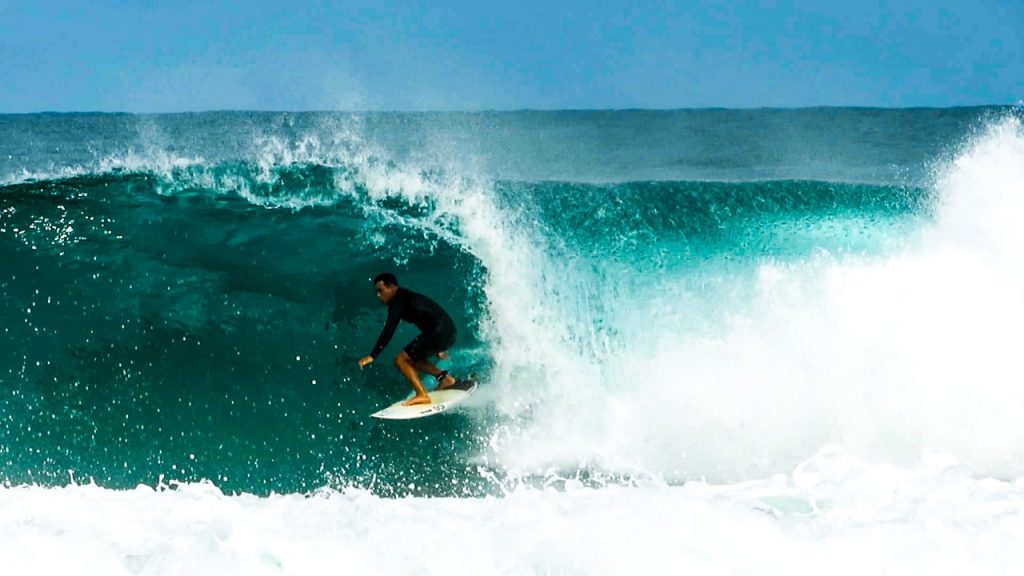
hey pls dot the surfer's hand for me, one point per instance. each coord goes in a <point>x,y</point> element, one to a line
<point>443,355</point>
<point>365,360</point>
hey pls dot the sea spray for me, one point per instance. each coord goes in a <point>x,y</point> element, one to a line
<point>889,352</point>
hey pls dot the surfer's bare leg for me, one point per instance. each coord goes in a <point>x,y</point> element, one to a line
<point>427,367</point>
<point>406,366</point>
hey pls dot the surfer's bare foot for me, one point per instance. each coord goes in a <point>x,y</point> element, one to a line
<point>448,382</point>
<point>417,399</point>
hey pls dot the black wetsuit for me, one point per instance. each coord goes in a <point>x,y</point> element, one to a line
<point>438,330</point>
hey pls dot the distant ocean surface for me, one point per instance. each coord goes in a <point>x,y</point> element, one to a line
<point>708,341</point>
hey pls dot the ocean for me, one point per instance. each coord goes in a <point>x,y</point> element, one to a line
<point>708,341</point>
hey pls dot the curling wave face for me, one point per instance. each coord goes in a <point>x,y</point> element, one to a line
<point>179,311</point>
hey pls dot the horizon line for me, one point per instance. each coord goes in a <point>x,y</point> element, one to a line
<point>503,110</point>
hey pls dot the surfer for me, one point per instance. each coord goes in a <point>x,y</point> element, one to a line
<point>437,334</point>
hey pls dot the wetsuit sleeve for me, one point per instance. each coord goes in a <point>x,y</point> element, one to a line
<point>394,315</point>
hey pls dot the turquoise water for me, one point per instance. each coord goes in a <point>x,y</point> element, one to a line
<point>184,297</point>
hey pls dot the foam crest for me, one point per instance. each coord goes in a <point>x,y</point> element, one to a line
<point>153,160</point>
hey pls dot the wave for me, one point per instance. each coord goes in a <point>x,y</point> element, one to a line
<point>171,318</point>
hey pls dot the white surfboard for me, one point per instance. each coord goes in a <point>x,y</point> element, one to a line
<point>440,400</point>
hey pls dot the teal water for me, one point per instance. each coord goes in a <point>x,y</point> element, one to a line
<point>184,297</point>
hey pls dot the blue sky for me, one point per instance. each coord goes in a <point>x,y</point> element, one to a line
<point>151,56</point>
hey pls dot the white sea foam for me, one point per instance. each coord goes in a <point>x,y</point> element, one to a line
<point>887,355</point>
<point>833,514</point>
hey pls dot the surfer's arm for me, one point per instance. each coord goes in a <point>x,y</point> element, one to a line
<point>389,330</point>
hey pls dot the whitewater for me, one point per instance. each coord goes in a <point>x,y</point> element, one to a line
<point>696,357</point>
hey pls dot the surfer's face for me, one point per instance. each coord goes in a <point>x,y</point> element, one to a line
<point>384,292</point>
